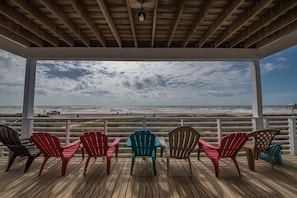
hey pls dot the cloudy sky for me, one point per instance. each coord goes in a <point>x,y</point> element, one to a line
<point>149,83</point>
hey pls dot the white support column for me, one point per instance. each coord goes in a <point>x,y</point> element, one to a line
<point>256,95</point>
<point>28,102</point>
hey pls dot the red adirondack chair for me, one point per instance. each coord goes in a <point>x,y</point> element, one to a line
<point>229,147</point>
<point>50,146</point>
<point>96,144</point>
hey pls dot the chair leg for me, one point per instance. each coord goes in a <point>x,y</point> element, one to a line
<point>14,156</point>
<point>271,161</point>
<point>108,164</point>
<point>82,151</point>
<point>236,164</point>
<point>154,165</point>
<point>216,166</point>
<point>86,166</point>
<point>167,161</point>
<point>64,165</point>
<point>132,165</point>
<point>190,166</point>
<point>42,166</point>
<point>29,162</point>
<point>198,152</point>
<point>117,150</point>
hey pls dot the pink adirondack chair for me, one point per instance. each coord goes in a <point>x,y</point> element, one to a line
<point>229,147</point>
<point>96,144</point>
<point>50,146</point>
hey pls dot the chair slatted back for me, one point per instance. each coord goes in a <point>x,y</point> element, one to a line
<point>143,143</point>
<point>182,141</point>
<point>263,138</point>
<point>48,144</point>
<point>10,138</point>
<point>95,143</point>
<point>231,144</point>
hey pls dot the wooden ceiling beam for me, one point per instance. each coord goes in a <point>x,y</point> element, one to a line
<point>272,28</point>
<point>109,21</point>
<point>180,8</point>
<point>201,14</point>
<point>256,8</point>
<point>154,23</point>
<point>89,22</point>
<point>54,8</point>
<point>271,15</point>
<point>19,19</point>
<point>13,36</point>
<point>39,16</point>
<point>20,32</point>
<point>291,27</point>
<point>219,21</point>
<point>132,23</point>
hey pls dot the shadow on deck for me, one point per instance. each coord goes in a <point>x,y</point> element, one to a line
<point>264,182</point>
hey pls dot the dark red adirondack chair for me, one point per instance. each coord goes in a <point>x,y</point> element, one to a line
<point>229,147</point>
<point>96,144</point>
<point>50,146</point>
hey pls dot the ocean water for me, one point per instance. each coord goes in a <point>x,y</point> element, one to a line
<point>130,110</point>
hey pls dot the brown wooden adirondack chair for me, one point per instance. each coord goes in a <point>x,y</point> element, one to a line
<point>96,144</point>
<point>10,138</point>
<point>182,142</point>
<point>229,147</point>
<point>50,146</point>
<point>261,141</point>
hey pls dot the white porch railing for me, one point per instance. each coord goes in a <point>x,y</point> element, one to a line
<point>210,128</point>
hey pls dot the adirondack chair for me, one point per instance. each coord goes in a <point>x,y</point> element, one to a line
<point>50,146</point>
<point>229,147</point>
<point>96,144</point>
<point>10,138</point>
<point>182,141</point>
<point>261,141</point>
<point>143,143</point>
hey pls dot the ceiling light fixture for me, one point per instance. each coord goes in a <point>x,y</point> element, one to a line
<point>141,14</point>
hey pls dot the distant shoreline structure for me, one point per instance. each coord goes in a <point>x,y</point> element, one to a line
<point>150,110</point>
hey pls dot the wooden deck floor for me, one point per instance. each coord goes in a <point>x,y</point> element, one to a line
<point>263,183</point>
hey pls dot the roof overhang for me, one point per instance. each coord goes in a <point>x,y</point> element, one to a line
<point>150,54</point>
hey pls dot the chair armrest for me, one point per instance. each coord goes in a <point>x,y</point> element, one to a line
<point>73,144</point>
<point>206,145</point>
<point>129,143</point>
<point>157,142</point>
<point>115,142</point>
<point>26,141</point>
<point>162,142</point>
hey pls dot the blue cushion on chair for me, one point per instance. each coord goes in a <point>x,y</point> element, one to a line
<point>275,151</point>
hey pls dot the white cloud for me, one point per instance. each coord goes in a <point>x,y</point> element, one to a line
<point>130,83</point>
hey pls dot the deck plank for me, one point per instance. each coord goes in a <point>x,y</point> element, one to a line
<point>264,182</point>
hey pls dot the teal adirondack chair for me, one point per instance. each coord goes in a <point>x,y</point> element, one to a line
<point>143,143</point>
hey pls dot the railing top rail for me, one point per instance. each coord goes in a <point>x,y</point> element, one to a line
<point>137,117</point>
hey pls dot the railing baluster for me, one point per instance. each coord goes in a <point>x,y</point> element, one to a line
<point>292,135</point>
<point>67,132</point>
<point>266,123</point>
<point>144,125</point>
<point>219,130</point>
<point>105,126</point>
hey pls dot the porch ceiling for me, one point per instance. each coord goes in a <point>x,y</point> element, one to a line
<point>174,29</point>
